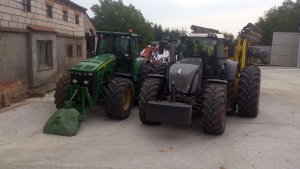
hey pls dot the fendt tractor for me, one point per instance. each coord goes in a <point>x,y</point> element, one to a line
<point>115,75</point>
<point>202,82</point>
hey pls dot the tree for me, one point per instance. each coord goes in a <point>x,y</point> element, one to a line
<point>285,18</point>
<point>228,36</point>
<point>115,16</point>
<point>158,32</point>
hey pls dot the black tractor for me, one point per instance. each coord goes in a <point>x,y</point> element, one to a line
<point>201,82</point>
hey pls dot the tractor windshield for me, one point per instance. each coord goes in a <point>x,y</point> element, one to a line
<point>198,47</point>
<point>118,45</point>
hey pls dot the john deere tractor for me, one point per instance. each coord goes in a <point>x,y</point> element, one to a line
<point>114,75</point>
<point>200,83</point>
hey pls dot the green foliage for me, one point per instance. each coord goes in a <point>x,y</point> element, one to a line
<point>158,32</point>
<point>115,16</point>
<point>285,18</point>
<point>166,34</point>
<point>228,36</point>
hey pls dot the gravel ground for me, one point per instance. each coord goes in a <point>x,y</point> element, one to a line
<point>272,140</point>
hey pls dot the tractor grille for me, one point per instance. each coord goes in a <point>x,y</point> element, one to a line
<point>91,79</point>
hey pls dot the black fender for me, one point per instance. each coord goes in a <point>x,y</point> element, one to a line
<point>125,75</point>
<point>230,69</point>
<point>216,81</point>
<point>156,76</point>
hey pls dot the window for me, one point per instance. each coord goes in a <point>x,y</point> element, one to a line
<point>115,45</point>
<point>65,16</point>
<point>77,19</point>
<point>26,4</point>
<point>49,11</point>
<point>69,50</point>
<point>79,51</point>
<point>44,54</point>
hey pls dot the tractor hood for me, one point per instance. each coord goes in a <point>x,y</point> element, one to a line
<point>185,77</point>
<point>94,63</point>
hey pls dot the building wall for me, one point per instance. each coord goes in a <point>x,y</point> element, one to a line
<point>20,30</point>
<point>39,77</point>
<point>12,15</point>
<point>285,49</point>
<point>63,61</point>
<point>13,57</point>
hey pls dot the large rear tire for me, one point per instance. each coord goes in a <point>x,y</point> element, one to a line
<point>214,109</point>
<point>61,92</point>
<point>118,97</point>
<point>249,92</point>
<point>149,92</point>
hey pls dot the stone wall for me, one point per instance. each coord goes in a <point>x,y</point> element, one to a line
<point>13,57</point>
<point>12,15</point>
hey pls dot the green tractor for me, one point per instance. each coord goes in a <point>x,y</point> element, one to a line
<point>115,75</point>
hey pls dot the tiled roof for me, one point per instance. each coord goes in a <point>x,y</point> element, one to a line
<point>74,4</point>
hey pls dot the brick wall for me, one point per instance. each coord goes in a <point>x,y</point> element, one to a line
<point>12,15</point>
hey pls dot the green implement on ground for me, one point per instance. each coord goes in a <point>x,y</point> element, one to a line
<point>114,75</point>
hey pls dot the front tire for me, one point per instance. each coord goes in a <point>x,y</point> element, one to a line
<point>118,97</point>
<point>61,90</point>
<point>249,92</point>
<point>160,68</point>
<point>214,109</point>
<point>149,92</point>
<point>147,69</point>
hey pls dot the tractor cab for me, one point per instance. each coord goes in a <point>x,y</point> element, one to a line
<point>207,48</point>
<point>123,45</point>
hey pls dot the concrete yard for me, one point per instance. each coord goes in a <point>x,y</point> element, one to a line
<point>270,141</point>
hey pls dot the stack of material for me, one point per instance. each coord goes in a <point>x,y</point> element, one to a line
<point>198,29</point>
<point>252,33</point>
<point>64,122</point>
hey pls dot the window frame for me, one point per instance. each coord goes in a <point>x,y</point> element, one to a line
<point>69,51</point>
<point>26,5</point>
<point>77,20</point>
<point>79,50</point>
<point>49,11</point>
<point>65,16</point>
<point>45,55</point>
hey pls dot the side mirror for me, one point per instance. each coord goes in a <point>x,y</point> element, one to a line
<point>161,48</point>
<point>140,40</point>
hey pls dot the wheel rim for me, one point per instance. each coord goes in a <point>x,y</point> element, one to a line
<point>127,98</point>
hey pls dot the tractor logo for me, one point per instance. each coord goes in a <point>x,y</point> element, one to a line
<point>179,71</point>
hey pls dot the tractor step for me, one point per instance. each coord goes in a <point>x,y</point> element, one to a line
<point>169,112</point>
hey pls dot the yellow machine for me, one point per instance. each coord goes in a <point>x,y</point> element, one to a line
<point>246,86</point>
<point>250,35</point>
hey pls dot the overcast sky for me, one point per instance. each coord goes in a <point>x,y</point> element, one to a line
<point>224,15</point>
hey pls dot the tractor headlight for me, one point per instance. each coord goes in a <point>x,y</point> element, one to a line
<point>86,82</point>
<point>75,81</point>
<point>90,74</point>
